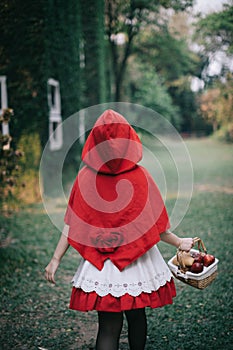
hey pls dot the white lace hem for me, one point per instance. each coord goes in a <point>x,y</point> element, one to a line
<point>117,290</point>
<point>147,274</point>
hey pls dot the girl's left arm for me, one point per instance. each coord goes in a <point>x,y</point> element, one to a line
<point>60,250</point>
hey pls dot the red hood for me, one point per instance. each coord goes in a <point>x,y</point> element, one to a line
<point>112,146</point>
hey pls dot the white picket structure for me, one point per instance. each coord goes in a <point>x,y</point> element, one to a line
<point>4,105</point>
<point>55,118</point>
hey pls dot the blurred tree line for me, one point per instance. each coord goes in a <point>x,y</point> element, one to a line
<point>138,51</point>
<point>214,35</point>
<point>112,50</point>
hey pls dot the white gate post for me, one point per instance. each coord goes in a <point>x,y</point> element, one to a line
<point>55,119</point>
<point>81,127</point>
<point>4,105</point>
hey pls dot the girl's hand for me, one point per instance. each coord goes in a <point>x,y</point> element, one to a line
<point>186,244</point>
<point>51,269</point>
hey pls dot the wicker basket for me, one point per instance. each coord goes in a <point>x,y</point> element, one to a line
<point>198,280</point>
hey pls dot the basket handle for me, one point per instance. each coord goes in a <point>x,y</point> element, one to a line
<point>179,257</point>
<point>201,245</point>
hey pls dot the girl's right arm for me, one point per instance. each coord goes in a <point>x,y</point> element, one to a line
<point>60,250</point>
<point>181,243</point>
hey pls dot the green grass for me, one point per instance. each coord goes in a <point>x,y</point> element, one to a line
<point>35,314</point>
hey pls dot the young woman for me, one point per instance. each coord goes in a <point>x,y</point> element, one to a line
<point>114,219</point>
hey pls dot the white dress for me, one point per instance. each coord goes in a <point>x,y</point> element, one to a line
<point>147,274</point>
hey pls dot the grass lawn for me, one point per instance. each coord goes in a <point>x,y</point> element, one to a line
<point>35,314</point>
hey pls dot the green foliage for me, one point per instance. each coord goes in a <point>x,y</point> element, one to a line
<point>62,52</point>
<point>216,104</point>
<point>68,42</point>
<point>22,52</point>
<point>225,133</point>
<point>169,58</point>
<point>216,30</point>
<point>9,163</point>
<point>177,5</point>
<point>94,52</point>
<point>46,37</point>
<point>150,92</point>
<point>129,19</point>
<point>29,175</point>
<point>18,170</point>
<point>184,98</point>
<point>213,34</point>
<point>75,43</point>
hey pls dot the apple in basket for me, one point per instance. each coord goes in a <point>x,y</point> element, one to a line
<point>196,267</point>
<point>198,257</point>
<point>208,259</point>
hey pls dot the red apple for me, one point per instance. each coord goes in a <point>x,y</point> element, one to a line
<point>197,267</point>
<point>208,260</point>
<point>198,257</point>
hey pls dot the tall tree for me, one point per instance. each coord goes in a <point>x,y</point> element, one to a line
<point>124,19</point>
<point>150,91</point>
<point>168,56</point>
<point>214,35</point>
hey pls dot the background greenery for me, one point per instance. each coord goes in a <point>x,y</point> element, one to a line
<point>35,314</point>
<point>144,52</point>
<point>162,48</point>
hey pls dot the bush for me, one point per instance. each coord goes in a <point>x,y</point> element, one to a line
<point>225,133</point>
<point>19,175</point>
<point>29,176</point>
<point>9,163</point>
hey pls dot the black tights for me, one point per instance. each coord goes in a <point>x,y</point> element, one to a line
<point>110,326</point>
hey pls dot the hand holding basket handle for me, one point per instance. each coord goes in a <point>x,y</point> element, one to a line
<point>186,244</point>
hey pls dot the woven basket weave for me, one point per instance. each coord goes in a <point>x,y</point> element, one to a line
<point>196,280</point>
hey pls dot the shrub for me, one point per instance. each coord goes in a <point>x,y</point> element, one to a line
<point>29,163</point>
<point>225,133</point>
<point>9,163</point>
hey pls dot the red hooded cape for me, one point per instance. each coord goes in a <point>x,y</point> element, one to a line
<point>115,209</point>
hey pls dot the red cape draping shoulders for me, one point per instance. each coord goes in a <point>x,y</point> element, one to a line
<point>115,209</point>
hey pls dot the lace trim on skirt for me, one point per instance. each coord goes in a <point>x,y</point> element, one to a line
<point>83,301</point>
